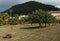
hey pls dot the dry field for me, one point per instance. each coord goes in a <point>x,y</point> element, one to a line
<point>51,33</point>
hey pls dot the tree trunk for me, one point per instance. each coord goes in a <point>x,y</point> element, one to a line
<point>40,25</point>
<point>31,24</point>
<point>45,24</point>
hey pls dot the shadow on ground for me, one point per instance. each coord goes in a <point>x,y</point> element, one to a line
<point>37,27</point>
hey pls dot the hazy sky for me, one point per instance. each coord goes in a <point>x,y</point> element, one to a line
<point>5,4</point>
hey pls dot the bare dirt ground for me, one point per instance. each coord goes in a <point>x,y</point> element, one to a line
<point>51,33</point>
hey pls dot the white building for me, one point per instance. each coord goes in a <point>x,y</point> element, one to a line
<point>55,14</point>
<point>22,16</point>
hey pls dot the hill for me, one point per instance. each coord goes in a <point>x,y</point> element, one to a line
<point>30,6</point>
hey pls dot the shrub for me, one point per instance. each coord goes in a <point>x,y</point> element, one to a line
<point>13,21</point>
<point>4,18</point>
<point>1,22</point>
<point>23,20</point>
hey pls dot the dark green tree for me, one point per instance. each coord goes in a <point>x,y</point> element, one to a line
<point>40,16</point>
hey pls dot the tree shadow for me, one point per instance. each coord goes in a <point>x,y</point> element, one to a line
<point>37,27</point>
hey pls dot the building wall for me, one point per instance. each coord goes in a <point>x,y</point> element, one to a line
<point>57,15</point>
<point>22,16</point>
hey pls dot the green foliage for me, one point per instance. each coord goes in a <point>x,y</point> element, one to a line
<point>35,17</point>
<point>40,16</point>
<point>23,20</point>
<point>1,22</point>
<point>48,18</point>
<point>5,16</point>
<point>13,21</point>
<point>16,16</point>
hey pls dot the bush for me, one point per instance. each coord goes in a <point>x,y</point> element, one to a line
<point>13,21</point>
<point>23,20</point>
<point>1,22</point>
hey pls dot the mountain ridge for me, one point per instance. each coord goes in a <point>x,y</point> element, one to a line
<point>30,6</point>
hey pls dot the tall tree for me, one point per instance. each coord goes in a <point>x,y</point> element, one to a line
<point>40,16</point>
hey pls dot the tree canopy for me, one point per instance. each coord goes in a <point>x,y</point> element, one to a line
<point>40,16</point>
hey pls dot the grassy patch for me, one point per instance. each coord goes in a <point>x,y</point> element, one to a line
<point>30,33</point>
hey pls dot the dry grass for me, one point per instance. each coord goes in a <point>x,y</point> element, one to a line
<point>51,33</point>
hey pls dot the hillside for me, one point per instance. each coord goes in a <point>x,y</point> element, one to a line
<point>30,6</point>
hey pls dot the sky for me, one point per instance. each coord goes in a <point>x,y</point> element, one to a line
<point>6,4</point>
